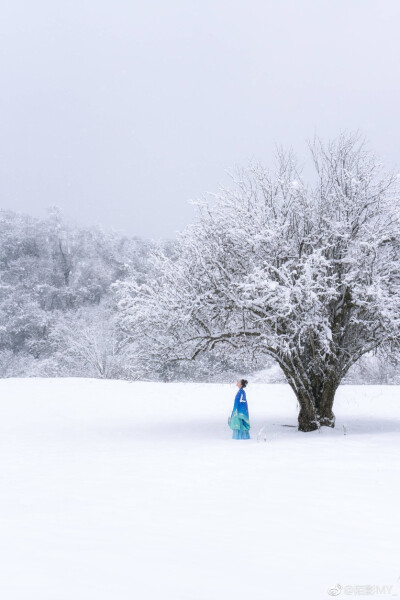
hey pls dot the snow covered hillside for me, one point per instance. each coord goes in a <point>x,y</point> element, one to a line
<point>117,491</point>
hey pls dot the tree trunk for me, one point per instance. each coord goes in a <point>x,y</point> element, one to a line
<point>315,396</point>
<point>307,418</point>
<point>325,403</point>
<point>316,412</point>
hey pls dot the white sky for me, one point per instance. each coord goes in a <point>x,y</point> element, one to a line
<point>121,111</point>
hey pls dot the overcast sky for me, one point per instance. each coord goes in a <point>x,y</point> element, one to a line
<point>120,111</point>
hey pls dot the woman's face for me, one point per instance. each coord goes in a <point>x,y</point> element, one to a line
<point>239,383</point>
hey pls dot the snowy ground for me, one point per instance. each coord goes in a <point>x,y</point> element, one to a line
<point>116,491</point>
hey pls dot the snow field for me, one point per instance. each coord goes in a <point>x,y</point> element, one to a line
<point>114,490</point>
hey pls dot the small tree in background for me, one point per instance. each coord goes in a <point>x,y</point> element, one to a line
<point>306,273</point>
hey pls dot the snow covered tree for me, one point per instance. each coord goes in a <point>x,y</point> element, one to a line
<point>306,273</point>
<point>86,343</point>
<point>53,274</point>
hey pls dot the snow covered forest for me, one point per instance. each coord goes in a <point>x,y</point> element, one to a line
<point>90,302</point>
<point>59,312</point>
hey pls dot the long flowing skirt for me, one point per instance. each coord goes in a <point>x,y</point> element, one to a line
<point>240,434</point>
<point>240,424</point>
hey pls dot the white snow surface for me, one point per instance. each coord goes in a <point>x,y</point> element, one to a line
<point>113,490</point>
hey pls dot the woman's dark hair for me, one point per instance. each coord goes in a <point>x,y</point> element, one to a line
<point>244,382</point>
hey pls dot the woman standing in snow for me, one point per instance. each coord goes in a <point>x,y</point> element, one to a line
<point>239,420</point>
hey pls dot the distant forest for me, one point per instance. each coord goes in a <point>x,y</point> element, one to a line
<point>58,308</point>
<point>60,304</point>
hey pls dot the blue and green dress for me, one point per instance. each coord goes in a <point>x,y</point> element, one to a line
<point>239,421</point>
